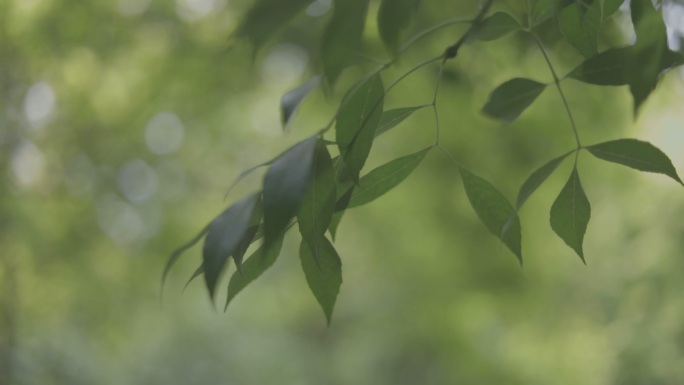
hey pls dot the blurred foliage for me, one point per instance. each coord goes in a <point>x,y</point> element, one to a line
<point>123,123</point>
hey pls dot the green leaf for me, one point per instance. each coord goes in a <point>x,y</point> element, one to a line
<point>199,271</point>
<point>385,178</point>
<point>285,185</point>
<point>546,9</point>
<point>392,118</point>
<point>394,17</point>
<point>357,121</point>
<point>224,237</point>
<point>291,100</point>
<point>266,17</point>
<point>570,214</point>
<point>510,99</point>
<point>179,252</point>
<point>608,68</point>
<point>496,26</point>
<point>253,267</point>
<point>323,276</point>
<point>537,178</point>
<point>494,210</point>
<point>636,154</point>
<point>319,203</point>
<point>646,61</point>
<point>580,25</point>
<point>335,223</point>
<point>342,36</point>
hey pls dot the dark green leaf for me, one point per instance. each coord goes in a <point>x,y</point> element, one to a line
<point>570,214</point>
<point>646,61</point>
<point>610,7</point>
<point>224,237</point>
<point>285,185</point>
<point>199,271</point>
<point>266,17</point>
<point>385,178</point>
<point>319,203</point>
<point>546,9</point>
<point>392,118</point>
<point>335,223</point>
<point>394,17</point>
<point>323,276</point>
<point>537,178</point>
<point>636,154</point>
<point>510,99</point>
<point>291,100</point>
<point>240,251</point>
<point>179,251</point>
<point>494,210</point>
<point>342,36</point>
<point>253,267</point>
<point>357,121</point>
<point>581,25</point>
<point>496,26</point>
<point>608,68</point>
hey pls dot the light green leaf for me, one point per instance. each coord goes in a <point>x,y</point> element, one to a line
<point>537,178</point>
<point>319,203</point>
<point>496,26</point>
<point>511,98</point>
<point>570,214</point>
<point>253,267</point>
<point>385,178</point>
<point>357,122</point>
<point>636,154</point>
<point>291,100</point>
<point>224,237</point>
<point>392,118</point>
<point>494,210</point>
<point>324,275</point>
<point>342,36</point>
<point>394,17</point>
<point>285,185</point>
<point>266,17</point>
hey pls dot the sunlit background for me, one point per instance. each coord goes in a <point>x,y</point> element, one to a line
<point>123,123</point>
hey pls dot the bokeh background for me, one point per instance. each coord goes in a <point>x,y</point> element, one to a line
<point>122,124</point>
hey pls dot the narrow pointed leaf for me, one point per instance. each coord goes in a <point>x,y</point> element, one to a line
<point>323,276</point>
<point>285,185</point>
<point>647,54</point>
<point>179,252</point>
<point>266,17</point>
<point>385,178</point>
<point>319,203</point>
<point>224,237</point>
<point>392,118</point>
<point>199,271</point>
<point>642,156</point>
<point>342,36</point>
<point>496,26</point>
<point>510,99</point>
<point>394,18</point>
<point>240,251</point>
<point>570,214</point>
<point>335,223</point>
<point>291,100</point>
<point>494,210</point>
<point>253,267</point>
<point>537,178</point>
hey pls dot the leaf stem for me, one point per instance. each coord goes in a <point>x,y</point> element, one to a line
<point>556,81</point>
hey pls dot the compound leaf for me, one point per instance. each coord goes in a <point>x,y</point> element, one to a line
<point>642,156</point>
<point>570,214</point>
<point>496,26</point>
<point>392,118</point>
<point>511,98</point>
<point>537,178</point>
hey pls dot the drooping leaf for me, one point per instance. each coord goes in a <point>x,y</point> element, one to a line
<point>323,276</point>
<point>335,223</point>
<point>342,36</point>
<point>608,68</point>
<point>511,98</point>
<point>570,214</point>
<point>253,267</point>
<point>242,247</point>
<point>285,185</point>
<point>636,154</point>
<point>266,17</point>
<point>496,26</point>
<point>319,203</point>
<point>385,178</point>
<point>494,210</point>
<point>224,237</point>
<point>179,251</point>
<point>392,118</point>
<point>361,107</point>
<point>357,121</point>
<point>199,271</point>
<point>646,59</point>
<point>537,178</point>
<point>581,24</point>
<point>394,17</point>
<point>291,100</point>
